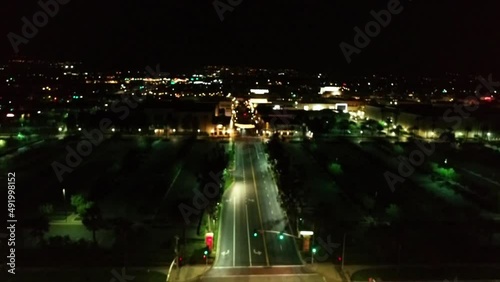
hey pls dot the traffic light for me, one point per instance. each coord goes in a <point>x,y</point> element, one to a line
<point>314,250</point>
<point>281,236</point>
<point>206,251</point>
<point>255,233</point>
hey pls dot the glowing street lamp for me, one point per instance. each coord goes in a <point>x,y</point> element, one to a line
<point>65,210</point>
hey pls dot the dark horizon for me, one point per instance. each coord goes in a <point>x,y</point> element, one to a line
<point>421,39</point>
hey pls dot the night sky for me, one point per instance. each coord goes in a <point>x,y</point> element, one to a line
<point>426,37</point>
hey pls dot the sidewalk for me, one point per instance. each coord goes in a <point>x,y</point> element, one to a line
<point>189,272</point>
<point>327,270</point>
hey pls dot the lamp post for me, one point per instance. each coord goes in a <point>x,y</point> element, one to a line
<point>65,210</point>
<point>343,252</point>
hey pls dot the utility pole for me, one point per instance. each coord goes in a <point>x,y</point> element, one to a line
<point>177,250</point>
<point>399,257</point>
<point>343,252</point>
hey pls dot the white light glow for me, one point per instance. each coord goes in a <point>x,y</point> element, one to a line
<point>333,90</point>
<point>244,125</point>
<point>306,233</point>
<point>317,107</point>
<point>259,91</point>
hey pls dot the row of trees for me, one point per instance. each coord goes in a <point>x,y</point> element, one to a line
<point>136,118</point>
<point>88,211</point>
<point>212,177</point>
<point>290,184</point>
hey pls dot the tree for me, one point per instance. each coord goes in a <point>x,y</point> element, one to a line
<point>92,219</point>
<point>40,226</point>
<point>368,202</point>
<point>448,174</point>
<point>414,129</point>
<point>393,212</point>
<point>80,204</point>
<point>344,125</point>
<point>468,129</point>
<point>46,209</point>
<point>335,168</point>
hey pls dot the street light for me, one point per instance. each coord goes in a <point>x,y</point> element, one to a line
<point>65,211</point>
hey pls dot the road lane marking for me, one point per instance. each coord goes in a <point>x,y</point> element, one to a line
<point>258,209</point>
<point>248,236</point>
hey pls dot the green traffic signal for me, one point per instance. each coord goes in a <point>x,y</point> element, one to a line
<point>282,237</point>
<point>255,234</point>
<point>205,252</point>
<point>314,250</point>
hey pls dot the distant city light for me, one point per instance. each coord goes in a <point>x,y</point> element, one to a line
<point>259,91</point>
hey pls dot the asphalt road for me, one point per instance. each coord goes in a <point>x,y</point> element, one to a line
<point>252,204</point>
